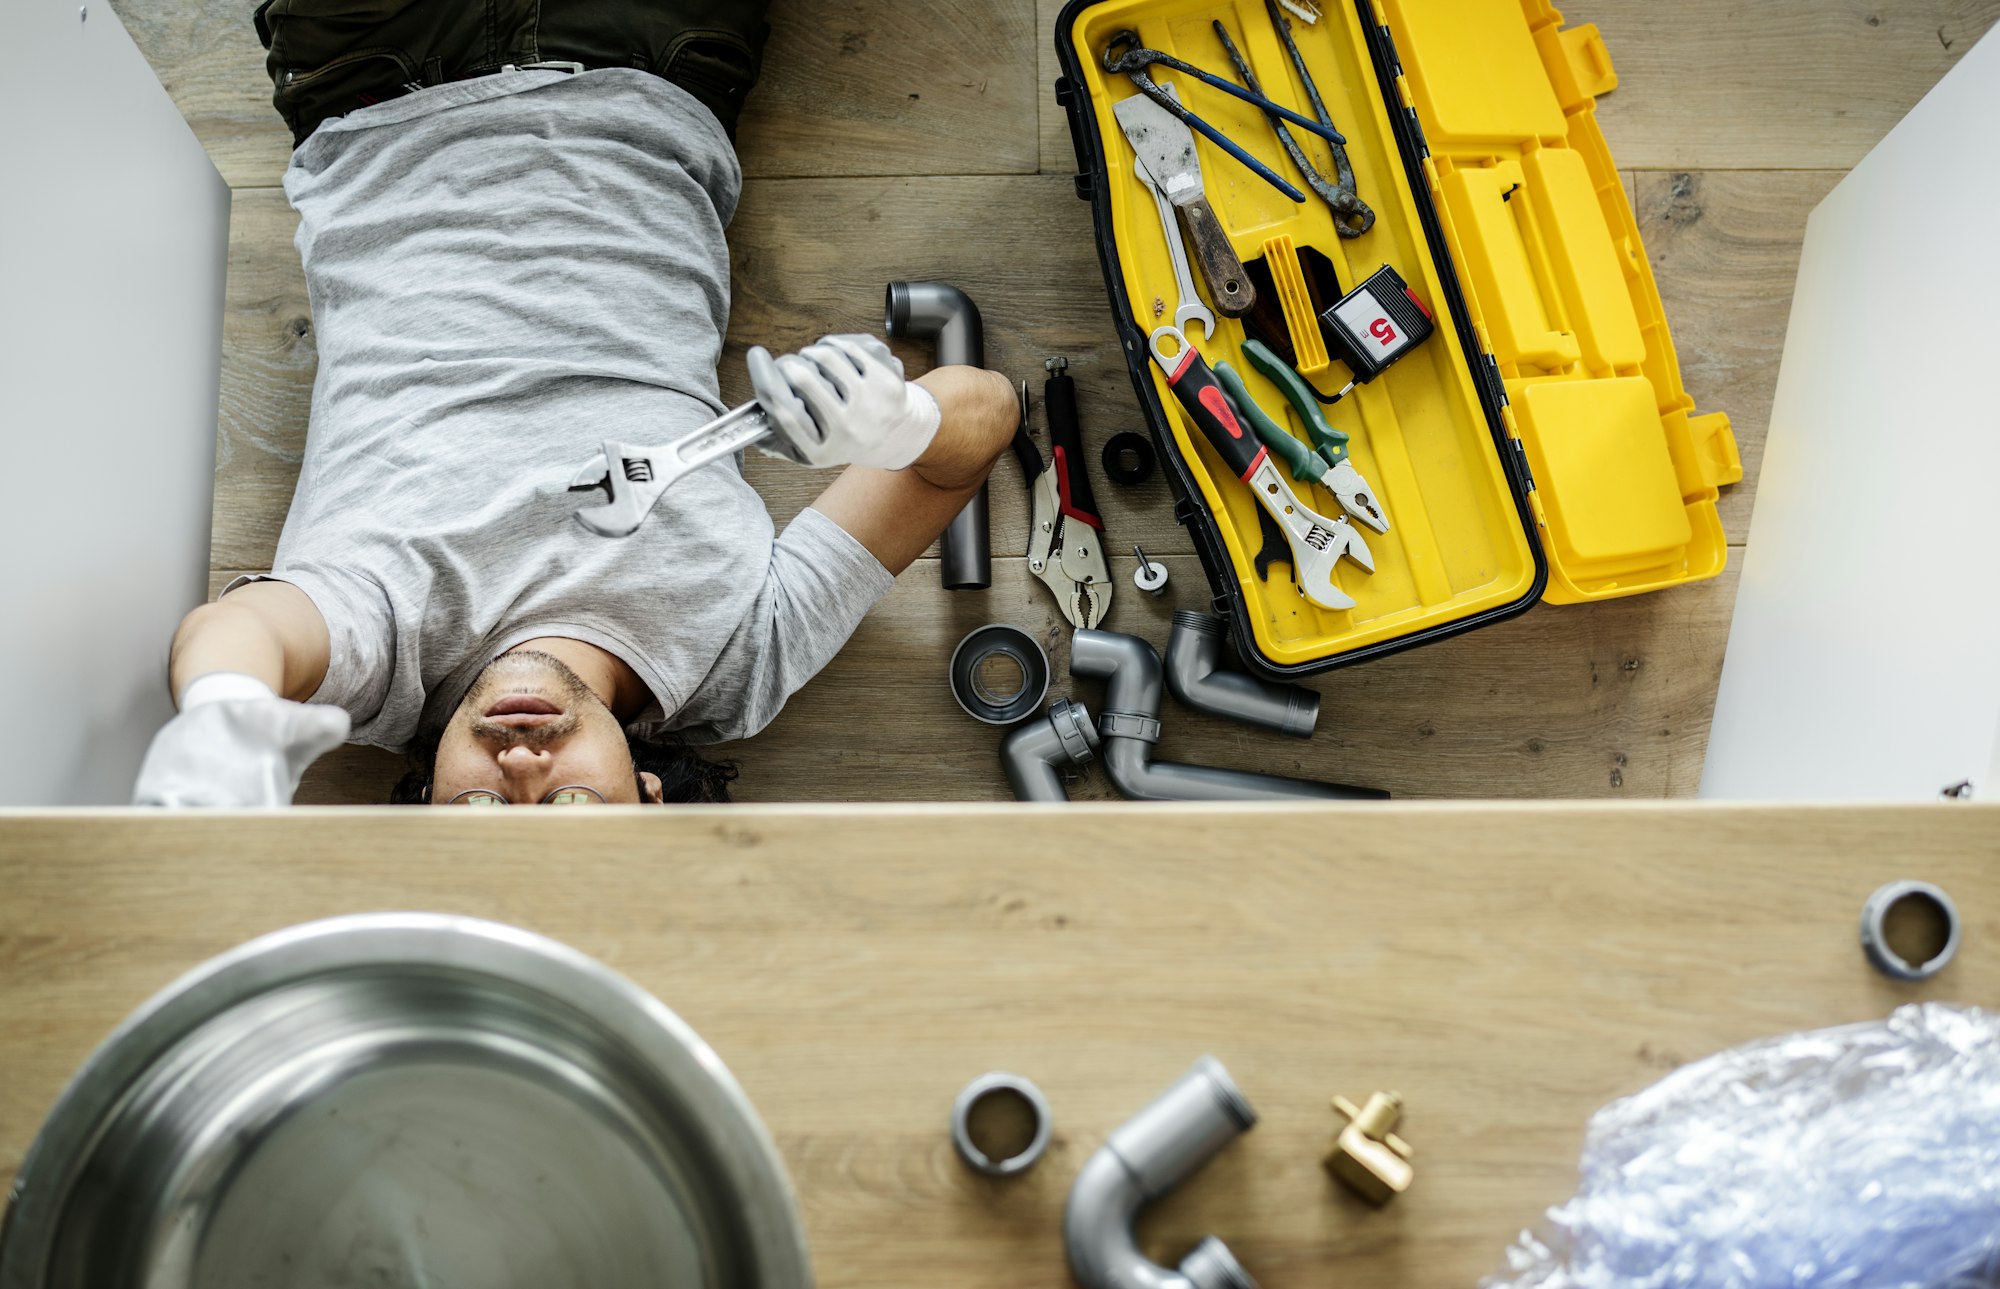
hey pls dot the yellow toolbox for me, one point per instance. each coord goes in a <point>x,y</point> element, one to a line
<point>1538,445</point>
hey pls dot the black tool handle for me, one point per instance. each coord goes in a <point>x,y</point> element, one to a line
<point>1066,446</point>
<point>1196,388</point>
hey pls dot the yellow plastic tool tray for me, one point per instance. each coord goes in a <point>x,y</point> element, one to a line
<point>1545,414</point>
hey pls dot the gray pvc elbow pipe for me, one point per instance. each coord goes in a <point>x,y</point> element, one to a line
<point>1129,726</point>
<point>1196,676</point>
<point>1155,1151</point>
<point>945,315</point>
<point>1035,754</point>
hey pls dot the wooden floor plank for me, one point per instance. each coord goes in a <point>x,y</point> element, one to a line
<point>1781,84</point>
<point>872,87</point>
<point>1725,252</point>
<point>1717,85</point>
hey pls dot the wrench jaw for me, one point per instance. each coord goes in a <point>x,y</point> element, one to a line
<point>633,479</point>
<point>1317,542</point>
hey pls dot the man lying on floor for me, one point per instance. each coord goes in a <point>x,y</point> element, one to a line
<point>507,267</point>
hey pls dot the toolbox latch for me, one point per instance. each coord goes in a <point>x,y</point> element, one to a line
<point>1578,64</point>
<point>1715,449</point>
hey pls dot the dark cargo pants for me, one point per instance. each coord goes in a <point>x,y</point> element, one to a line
<point>330,57</point>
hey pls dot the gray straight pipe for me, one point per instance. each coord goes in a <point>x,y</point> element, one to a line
<point>1196,676</point>
<point>1129,726</point>
<point>945,315</point>
<point>1155,1151</point>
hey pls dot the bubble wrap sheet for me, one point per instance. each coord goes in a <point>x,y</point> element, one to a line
<point>1861,1157</point>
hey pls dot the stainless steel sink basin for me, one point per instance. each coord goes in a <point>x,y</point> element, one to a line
<point>403,1100</point>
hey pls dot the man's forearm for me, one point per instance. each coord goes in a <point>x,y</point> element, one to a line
<point>267,630</point>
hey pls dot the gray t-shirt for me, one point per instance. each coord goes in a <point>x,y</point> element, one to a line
<point>504,273</point>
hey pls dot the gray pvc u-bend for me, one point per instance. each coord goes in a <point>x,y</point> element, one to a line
<point>1196,676</point>
<point>1129,726</point>
<point>940,312</point>
<point>1035,753</point>
<point>1155,1151</point>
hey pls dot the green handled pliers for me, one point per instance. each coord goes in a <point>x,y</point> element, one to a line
<point>1326,462</point>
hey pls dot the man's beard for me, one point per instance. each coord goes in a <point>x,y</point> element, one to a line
<point>532,673</point>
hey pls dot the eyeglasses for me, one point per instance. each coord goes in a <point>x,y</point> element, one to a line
<point>574,794</point>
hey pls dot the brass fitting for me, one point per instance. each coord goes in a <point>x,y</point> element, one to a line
<point>1367,1156</point>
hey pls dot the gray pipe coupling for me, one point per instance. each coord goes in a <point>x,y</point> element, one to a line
<point>1155,1151</point>
<point>999,1083</point>
<point>1875,932</point>
<point>1196,676</point>
<point>1035,754</point>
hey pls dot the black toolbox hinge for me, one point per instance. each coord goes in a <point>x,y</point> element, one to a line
<point>1395,58</point>
<point>1417,129</point>
<point>1185,511</point>
<point>1489,368</point>
<point>1521,461</point>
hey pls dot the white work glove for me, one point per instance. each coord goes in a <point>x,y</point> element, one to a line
<point>843,401</point>
<point>236,743</point>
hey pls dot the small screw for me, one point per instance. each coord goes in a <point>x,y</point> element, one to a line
<point>1960,791</point>
<point>83,14</point>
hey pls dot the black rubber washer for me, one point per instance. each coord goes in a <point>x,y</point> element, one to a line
<point>1118,447</point>
<point>1011,642</point>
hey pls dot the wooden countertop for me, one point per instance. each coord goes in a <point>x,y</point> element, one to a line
<point>1509,969</point>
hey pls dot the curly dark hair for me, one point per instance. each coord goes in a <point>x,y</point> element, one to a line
<point>685,776</point>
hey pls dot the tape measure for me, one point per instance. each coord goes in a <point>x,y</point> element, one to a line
<point>1376,323</point>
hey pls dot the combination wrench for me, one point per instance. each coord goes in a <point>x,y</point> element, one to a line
<point>1190,309</point>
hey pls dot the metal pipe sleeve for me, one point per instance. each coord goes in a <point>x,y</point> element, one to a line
<point>1196,676</point>
<point>1034,754</point>
<point>945,315</point>
<point>1875,932</point>
<point>961,1123</point>
<point>1155,1151</point>
<point>1129,726</point>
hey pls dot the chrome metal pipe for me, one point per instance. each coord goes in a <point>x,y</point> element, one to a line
<point>1155,1151</point>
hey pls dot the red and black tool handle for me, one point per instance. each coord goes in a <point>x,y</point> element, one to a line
<point>1188,375</point>
<point>1066,447</point>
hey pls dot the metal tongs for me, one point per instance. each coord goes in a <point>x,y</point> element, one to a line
<point>632,478</point>
<point>1125,56</point>
<point>1351,216</point>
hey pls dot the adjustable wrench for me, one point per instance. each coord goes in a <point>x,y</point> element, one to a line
<point>1317,542</point>
<point>634,477</point>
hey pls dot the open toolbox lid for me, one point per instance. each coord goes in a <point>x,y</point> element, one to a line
<point>1470,132</point>
<point>1561,293</point>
